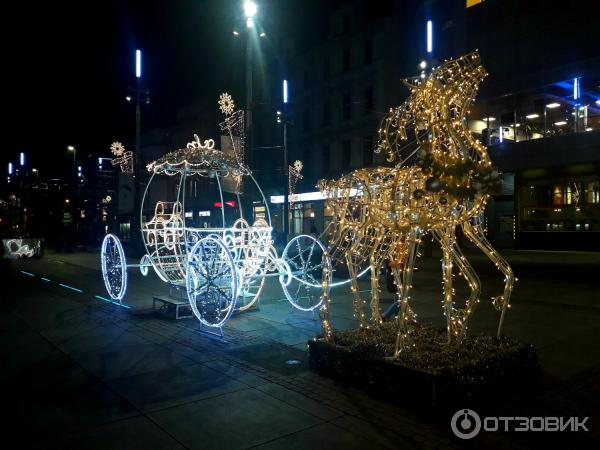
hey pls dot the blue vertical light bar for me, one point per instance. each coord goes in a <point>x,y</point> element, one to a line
<point>10,168</point>
<point>576,89</point>
<point>429,36</point>
<point>22,158</point>
<point>285,91</point>
<point>138,63</point>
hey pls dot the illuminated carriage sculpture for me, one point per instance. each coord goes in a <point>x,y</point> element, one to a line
<point>221,268</point>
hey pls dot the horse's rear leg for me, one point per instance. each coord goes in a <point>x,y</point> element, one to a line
<point>476,235</point>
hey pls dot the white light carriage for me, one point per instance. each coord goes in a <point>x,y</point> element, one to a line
<point>221,262</point>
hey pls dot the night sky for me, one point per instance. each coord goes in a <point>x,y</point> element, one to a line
<point>67,67</point>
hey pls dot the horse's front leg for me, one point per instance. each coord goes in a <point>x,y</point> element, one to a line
<point>404,284</point>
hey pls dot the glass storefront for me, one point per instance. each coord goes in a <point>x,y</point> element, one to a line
<point>567,106</point>
<point>561,205</point>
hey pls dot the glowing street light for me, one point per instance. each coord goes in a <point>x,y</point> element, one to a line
<point>22,159</point>
<point>429,36</point>
<point>285,91</point>
<point>138,63</point>
<point>71,148</point>
<point>250,9</point>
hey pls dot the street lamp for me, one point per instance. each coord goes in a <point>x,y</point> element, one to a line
<point>139,95</point>
<point>282,117</point>
<point>250,9</point>
<point>74,150</point>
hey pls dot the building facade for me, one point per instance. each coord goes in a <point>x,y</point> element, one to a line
<point>538,111</point>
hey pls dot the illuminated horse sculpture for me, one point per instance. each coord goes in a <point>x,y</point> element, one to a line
<point>381,213</point>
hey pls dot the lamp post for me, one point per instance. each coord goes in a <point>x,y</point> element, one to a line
<point>250,11</point>
<point>71,148</point>
<point>75,193</point>
<point>283,118</point>
<point>141,95</point>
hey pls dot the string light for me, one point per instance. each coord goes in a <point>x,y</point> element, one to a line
<point>446,187</point>
<point>217,266</point>
<point>123,158</point>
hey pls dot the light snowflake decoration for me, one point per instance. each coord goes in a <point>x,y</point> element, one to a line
<point>123,159</point>
<point>298,165</point>
<point>117,148</point>
<point>294,176</point>
<point>226,104</point>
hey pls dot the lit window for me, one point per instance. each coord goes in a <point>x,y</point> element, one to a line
<point>470,3</point>
<point>557,196</point>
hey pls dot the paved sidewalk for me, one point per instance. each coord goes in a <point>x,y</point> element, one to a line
<point>82,373</point>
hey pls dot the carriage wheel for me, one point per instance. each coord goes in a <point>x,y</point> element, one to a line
<point>306,257</point>
<point>114,267</point>
<point>211,281</point>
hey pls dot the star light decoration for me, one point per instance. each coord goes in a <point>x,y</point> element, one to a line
<point>381,213</point>
<point>294,176</point>
<point>123,158</point>
<point>226,104</point>
<point>234,125</point>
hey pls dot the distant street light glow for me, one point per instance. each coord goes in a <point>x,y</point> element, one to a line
<point>552,105</point>
<point>10,168</point>
<point>262,34</point>
<point>250,9</point>
<point>423,64</point>
<point>235,33</point>
<point>138,63</point>
<point>22,158</point>
<point>70,148</point>
<point>532,116</point>
<point>285,91</point>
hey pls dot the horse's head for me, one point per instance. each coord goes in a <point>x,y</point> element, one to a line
<point>436,106</point>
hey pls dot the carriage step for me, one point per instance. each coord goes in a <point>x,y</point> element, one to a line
<point>172,307</point>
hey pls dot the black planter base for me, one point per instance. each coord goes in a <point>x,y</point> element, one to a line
<point>431,374</point>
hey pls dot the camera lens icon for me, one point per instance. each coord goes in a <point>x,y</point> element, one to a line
<point>465,423</point>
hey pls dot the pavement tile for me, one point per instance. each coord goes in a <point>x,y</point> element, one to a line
<point>122,434</point>
<point>130,360</point>
<point>322,437</point>
<point>374,433</point>
<point>52,413</point>
<point>165,388</point>
<point>237,420</point>
<point>300,401</point>
<point>236,373</point>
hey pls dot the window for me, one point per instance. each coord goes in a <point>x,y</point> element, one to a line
<point>326,157</point>
<point>306,120</point>
<point>326,69</point>
<point>592,193</point>
<point>307,160</point>
<point>367,151</point>
<point>557,195</point>
<point>346,60</point>
<point>346,153</point>
<point>470,3</point>
<point>368,51</point>
<point>346,106</point>
<point>346,23</point>
<point>368,104</point>
<point>326,113</point>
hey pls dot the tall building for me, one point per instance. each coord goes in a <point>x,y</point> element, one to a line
<point>538,111</point>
